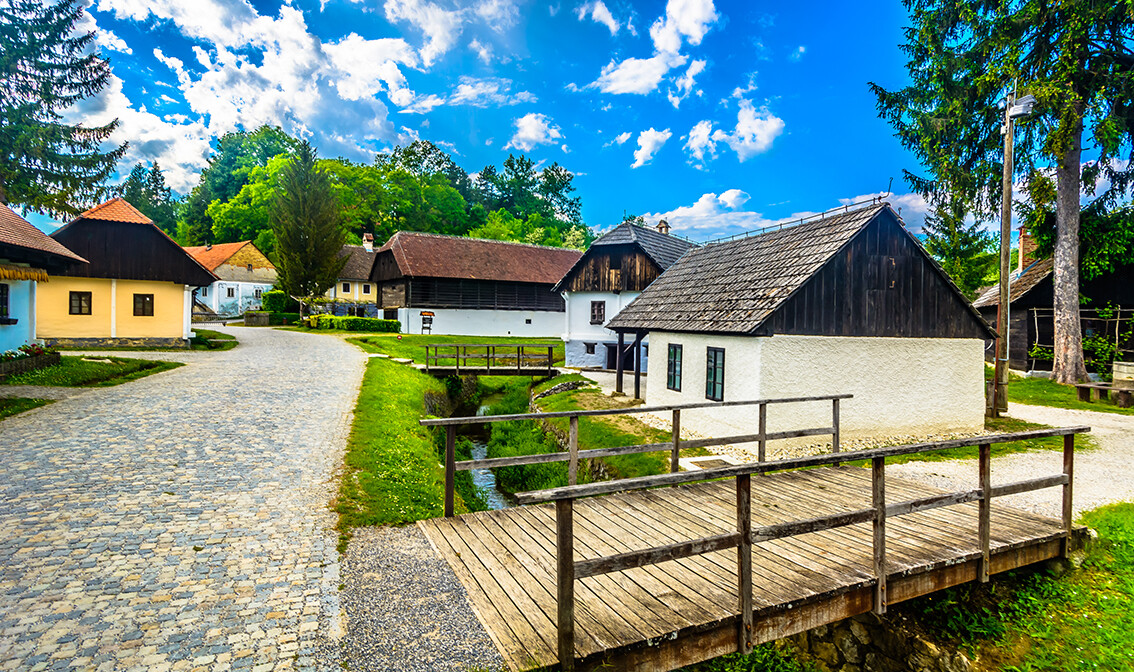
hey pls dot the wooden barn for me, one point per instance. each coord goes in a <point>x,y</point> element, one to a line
<point>612,273</point>
<point>842,303</point>
<point>455,285</point>
<point>1031,315</point>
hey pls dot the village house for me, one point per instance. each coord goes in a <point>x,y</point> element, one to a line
<point>1031,315</point>
<point>137,288</point>
<point>455,285</point>
<point>243,273</point>
<point>612,273</point>
<point>353,292</point>
<point>27,258</point>
<point>842,303</point>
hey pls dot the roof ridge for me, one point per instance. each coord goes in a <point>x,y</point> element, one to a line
<point>793,222</point>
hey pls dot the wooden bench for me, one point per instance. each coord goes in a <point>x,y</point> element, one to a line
<point>1123,396</point>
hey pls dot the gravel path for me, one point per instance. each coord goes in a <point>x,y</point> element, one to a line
<point>1101,476</point>
<point>407,611</point>
<point>180,521</point>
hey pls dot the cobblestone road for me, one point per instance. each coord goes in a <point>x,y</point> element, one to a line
<point>180,521</point>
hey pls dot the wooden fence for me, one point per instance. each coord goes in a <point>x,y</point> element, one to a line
<point>491,358</point>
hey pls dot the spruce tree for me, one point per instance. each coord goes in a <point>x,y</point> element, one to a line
<point>46,165</point>
<point>963,250</point>
<point>305,219</point>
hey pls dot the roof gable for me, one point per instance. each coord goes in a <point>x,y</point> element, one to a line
<point>211,256</point>
<point>116,209</point>
<point>358,264</point>
<point>1019,285</point>
<point>428,255</point>
<point>663,249</point>
<point>20,241</point>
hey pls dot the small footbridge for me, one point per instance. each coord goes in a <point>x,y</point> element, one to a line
<point>659,572</point>
<point>490,359</point>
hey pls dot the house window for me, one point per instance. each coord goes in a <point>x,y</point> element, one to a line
<point>249,268</point>
<point>4,300</point>
<point>390,314</point>
<point>366,289</point>
<point>673,368</point>
<point>590,348</point>
<point>346,287</point>
<point>80,303</point>
<point>231,292</point>
<point>143,305</point>
<point>714,376</point>
<point>598,312</point>
<point>528,321</point>
<point>204,292</point>
<point>258,293</point>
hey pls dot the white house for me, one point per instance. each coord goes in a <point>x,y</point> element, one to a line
<point>612,273</point>
<point>841,303</point>
<point>244,273</point>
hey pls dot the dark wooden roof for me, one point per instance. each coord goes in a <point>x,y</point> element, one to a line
<point>428,255</point>
<point>21,242</point>
<point>1017,286</point>
<point>809,279</point>
<point>663,249</point>
<point>359,262</point>
<point>129,250</point>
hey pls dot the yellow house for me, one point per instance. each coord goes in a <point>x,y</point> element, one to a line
<point>137,288</point>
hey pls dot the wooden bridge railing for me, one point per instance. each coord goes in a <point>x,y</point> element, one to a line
<point>674,445</point>
<point>504,357</point>
<point>569,569</point>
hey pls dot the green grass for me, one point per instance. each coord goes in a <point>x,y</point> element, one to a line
<point>76,372</point>
<point>207,339</point>
<point>1044,392</point>
<point>12,406</point>
<point>412,346</point>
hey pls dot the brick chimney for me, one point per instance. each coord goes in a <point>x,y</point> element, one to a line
<point>1027,249</point>
<point>663,227</point>
<point>368,241</point>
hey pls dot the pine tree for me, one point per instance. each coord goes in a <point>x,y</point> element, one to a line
<point>305,219</point>
<point>47,165</point>
<point>963,250</point>
<point>162,206</point>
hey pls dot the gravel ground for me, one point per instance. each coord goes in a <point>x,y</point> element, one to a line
<point>1101,476</point>
<point>406,609</point>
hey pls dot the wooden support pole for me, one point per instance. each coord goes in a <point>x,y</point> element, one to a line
<point>675,453</point>
<point>427,358</point>
<point>1069,472</point>
<point>763,433</point>
<point>519,357</point>
<point>984,463</point>
<point>878,479</point>
<point>573,451</point>
<point>835,425</point>
<point>565,578</point>
<point>619,365</point>
<point>489,353</point>
<point>450,468</point>
<point>638,365</point>
<point>744,562</point>
<point>550,359</point>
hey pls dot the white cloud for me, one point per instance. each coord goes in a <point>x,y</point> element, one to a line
<point>364,67</point>
<point>798,53</point>
<point>637,75</point>
<point>700,141</point>
<point>689,19</point>
<point>532,130</point>
<point>621,138</point>
<point>755,131</point>
<point>499,14</point>
<point>649,142</point>
<point>685,82</point>
<point>598,11</point>
<point>488,92</point>
<point>733,198</point>
<point>439,26</point>
<point>483,51</point>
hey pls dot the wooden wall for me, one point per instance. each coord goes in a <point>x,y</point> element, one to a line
<point>595,273</point>
<point>880,284</point>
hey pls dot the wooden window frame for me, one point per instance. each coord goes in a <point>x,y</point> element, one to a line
<point>366,288</point>
<point>673,367</point>
<point>72,305</point>
<point>5,300</point>
<point>144,308</point>
<point>714,364</point>
<point>601,319</point>
<point>346,288</point>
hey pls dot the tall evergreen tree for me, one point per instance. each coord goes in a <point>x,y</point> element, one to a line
<point>963,250</point>
<point>1076,58</point>
<point>47,165</point>
<point>305,219</point>
<point>146,191</point>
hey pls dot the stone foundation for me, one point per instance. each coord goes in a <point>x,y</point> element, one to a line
<point>867,643</point>
<point>97,343</point>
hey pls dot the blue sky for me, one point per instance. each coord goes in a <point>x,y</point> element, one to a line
<point>720,116</point>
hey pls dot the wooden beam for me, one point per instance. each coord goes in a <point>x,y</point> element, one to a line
<point>878,497</point>
<point>835,427</point>
<point>544,458</point>
<point>1029,485</point>
<point>763,441</point>
<point>565,579</point>
<point>1069,473</point>
<point>749,438</point>
<point>618,364</point>
<point>818,524</point>
<point>638,365</point>
<point>926,503</point>
<point>675,452</point>
<point>573,450</point>
<point>450,468</point>
<point>656,555</point>
<point>745,634</point>
<point>984,464</point>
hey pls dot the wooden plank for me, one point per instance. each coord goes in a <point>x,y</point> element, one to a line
<point>450,467</point>
<point>1069,472</point>
<point>817,524</point>
<point>984,465</point>
<point>675,453</point>
<point>565,580</point>
<point>878,480</point>
<point>655,555</point>
<point>763,442</point>
<point>1029,485</point>
<point>929,503</point>
<point>744,562</point>
<point>573,450</point>
<point>543,458</point>
<point>750,438</point>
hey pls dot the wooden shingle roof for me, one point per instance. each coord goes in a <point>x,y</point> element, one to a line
<point>1018,286</point>
<point>734,286</point>
<point>429,255</point>
<point>358,264</point>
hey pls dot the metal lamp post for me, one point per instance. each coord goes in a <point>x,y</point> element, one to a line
<point>1015,109</point>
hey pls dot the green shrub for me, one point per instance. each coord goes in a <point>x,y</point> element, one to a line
<point>277,301</point>
<point>276,319</point>
<point>344,323</point>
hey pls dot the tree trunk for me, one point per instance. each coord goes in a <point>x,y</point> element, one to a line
<point>1068,367</point>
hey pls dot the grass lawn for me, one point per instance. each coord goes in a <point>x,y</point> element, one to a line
<point>207,339</point>
<point>1043,392</point>
<point>18,405</point>
<point>76,372</point>
<point>412,346</point>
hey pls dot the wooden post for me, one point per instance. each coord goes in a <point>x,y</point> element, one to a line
<point>457,358</point>
<point>519,358</point>
<point>619,365</point>
<point>427,358</point>
<point>565,578</point>
<point>675,454</point>
<point>550,359</point>
<point>744,562</point>
<point>763,432</point>
<point>450,467</point>
<point>835,425</point>
<point>984,463</point>
<point>573,451</point>
<point>1069,472</point>
<point>878,478</point>
<point>489,353</point>
<point>638,365</point>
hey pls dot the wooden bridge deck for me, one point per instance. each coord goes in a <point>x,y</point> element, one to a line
<point>663,616</point>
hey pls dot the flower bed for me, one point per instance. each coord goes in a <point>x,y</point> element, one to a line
<point>26,358</point>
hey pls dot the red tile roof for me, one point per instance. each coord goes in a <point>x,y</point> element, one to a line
<point>428,255</point>
<point>116,210</point>
<point>211,256</point>
<point>19,232</point>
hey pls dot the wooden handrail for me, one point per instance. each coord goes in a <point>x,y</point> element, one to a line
<point>436,353</point>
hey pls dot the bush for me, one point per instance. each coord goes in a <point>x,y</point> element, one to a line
<point>353,324</point>
<point>277,301</point>
<point>276,319</point>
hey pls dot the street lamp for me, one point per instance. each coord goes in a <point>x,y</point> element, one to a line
<point>1015,109</point>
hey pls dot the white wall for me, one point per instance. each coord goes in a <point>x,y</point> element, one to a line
<point>901,386</point>
<point>471,322</point>
<point>580,331</point>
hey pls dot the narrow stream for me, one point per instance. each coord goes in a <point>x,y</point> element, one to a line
<point>483,479</point>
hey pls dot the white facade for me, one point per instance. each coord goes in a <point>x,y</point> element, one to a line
<point>582,335</point>
<point>231,297</point>
<point>480,322</point>
<point>901,386</point>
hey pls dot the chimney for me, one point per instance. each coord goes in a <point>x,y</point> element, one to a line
<point>663,227</point>
<point>1027,249</point>
<point>208,246</point>
<point>368,241</point>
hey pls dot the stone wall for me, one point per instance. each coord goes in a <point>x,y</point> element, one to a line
<point>867,643</point>
<point>96,343</point>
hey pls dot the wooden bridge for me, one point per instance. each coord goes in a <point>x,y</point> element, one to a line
<point>490,359</point>
<point>633,575</point>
